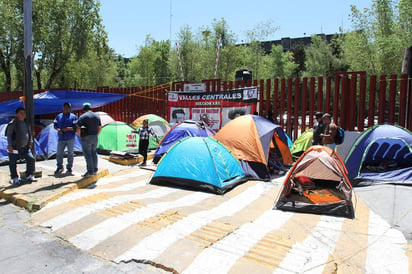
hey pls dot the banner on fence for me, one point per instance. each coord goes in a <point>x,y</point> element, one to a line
<point>215,108</point>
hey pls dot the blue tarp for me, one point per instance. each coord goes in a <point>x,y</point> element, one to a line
<point>52,101</point>
<point>199,163</point>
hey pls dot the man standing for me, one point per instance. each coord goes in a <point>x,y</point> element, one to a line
<point>20,143</point>
<point>318,129</point>
<point>88,128</point>
<point>65,124</point>
<point>330,129</point>
<point>144,133</point>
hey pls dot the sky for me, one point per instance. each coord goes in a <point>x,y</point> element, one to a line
<point>128,22</point>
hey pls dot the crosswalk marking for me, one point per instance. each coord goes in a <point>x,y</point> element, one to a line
<point>152,246</point>
<point>80,212</point>
<point>309,256</point>
<point>220,257</point>
<point>140,182</point>
<point>122,219</point>
<point>91,237</point>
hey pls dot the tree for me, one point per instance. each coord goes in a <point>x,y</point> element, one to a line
<point>377,43</point>
<point>11,41</point>
<point>282,63</point>
<point>64,30</point>
<point>322,59</point>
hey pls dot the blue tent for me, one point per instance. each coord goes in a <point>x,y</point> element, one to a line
<point>4,156</point>
<point>382,153</point>
<point>180,131</point>
<point>199,163</point>
<point>52,101</point>
<point>48,138</point>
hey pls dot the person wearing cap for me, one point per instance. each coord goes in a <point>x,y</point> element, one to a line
<point>144,133</point>
<point>329,132</point>
<point>88,128</point>
<point>65,124</point>
<point>318,129</point>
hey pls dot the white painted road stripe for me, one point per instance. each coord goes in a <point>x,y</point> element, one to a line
<point>100,232</point>
<point>84,193</point>
<point>155,244</point>
<point>222,255</point>
<point>81,212</point>
<point>386,248</point>
<point>108,180</point>
<point>311,255</point>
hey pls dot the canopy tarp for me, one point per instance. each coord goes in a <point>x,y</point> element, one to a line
<point>52,101</point>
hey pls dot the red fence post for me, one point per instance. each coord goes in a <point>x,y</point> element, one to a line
<point>402,100</point>
<point>305,103</point>
<point>382,99</point>
<point>392,98</point>
<point>328,94</point>
<point>361,104</point>
<point>289,108</point>
<point>312,96</point>
<point>296,110</point>
<point>282,100</point>
<point>275,99</point>
<point>268,87</point>
<point>351,111</point>
<point>319,105</point>
<point>372,99</point>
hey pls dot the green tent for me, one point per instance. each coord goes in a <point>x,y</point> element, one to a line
<point>302,143</point>
<point>117,136</point>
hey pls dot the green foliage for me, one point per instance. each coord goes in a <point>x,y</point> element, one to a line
<point>381,33</point>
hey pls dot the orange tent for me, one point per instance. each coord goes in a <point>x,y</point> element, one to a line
<point>249,138</point>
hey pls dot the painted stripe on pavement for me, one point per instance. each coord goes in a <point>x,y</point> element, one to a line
<point>221,256</point>
<point>80,212</point>
<point>310,256</point>
<point>93,236</point>
<point>152,246</point>
<point>386,248</point>
<point>84,193</point>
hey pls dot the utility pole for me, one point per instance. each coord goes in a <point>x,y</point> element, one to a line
<point>28,64</point>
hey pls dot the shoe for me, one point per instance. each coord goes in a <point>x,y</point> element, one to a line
<point>69,171</point>
<point>59,170</point>
<point>143,164</point>
<point>15,181</point>
<point>87,175</point>
<point>31,179</point>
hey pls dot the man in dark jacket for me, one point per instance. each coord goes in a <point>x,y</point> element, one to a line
<point>318,129</point>
<point>88,128</point>
<point>20,142</point>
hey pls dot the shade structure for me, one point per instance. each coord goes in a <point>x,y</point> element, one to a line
<point>159,125</point>
<point>180,131</point>
<point>200,163</point>
<point>249,138</point>
<point>117,136</point>
<point>48,138</point>
<point>381,154</point>
<point>317,183</point>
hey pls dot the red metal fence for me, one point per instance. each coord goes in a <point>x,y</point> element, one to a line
<point>355,100</point>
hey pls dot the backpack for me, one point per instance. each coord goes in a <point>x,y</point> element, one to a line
<point>340,136</point>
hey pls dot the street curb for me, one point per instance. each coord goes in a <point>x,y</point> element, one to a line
<point>32,203</point>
